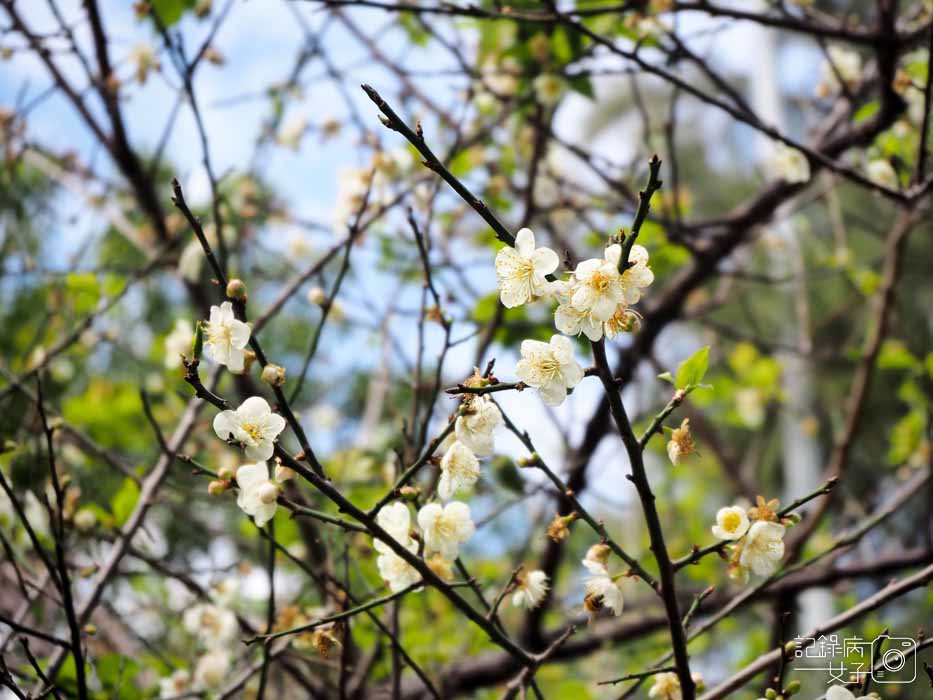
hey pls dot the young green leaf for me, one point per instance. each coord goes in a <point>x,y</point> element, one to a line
<point>691,371</point>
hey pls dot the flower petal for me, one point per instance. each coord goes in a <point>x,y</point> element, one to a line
<point>545,261</point>
<point>239,334</point>
<point>254,409</point>
<point>525,242</point>
<point>225,424</point>
<point>261,452</point>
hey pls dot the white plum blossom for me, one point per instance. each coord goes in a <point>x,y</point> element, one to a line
<point>396,572</point>
<point>501,76</point>
<point>749,404</point>
<point>638,276</point>
<point>176,684</point>
<point>840,64</point>
<point>477,423</point>
<point>395,519</point>
<point>881,172</point>
<point>530,589</point>
<point>225,592</point>
<point>353,184</point>
<point>549,367</point>
<point>214,626</point>
<point>191,261</point>
<point>445,528</point>
<point>253,424</point>
<point>144,59</point>
<point>731,523</point>
<point>598,285</point>
<point>763,548</point>
<point>548,89</point>
<point>790,164</point>
<point>666,686</point>
<point>225,338</point>
<point>36,514</point>
<point>839,692</point>
<point>178,343</point>
<point>522,270</point>
<point>258,494</point>
<point>600,585</point>
<point>292,131</point>
<point>212,668</point>
<point>459,470</point>
<point>601,588</point>
<point>570,320</point>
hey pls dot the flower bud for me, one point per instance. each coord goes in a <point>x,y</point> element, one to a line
<point>268,492</point>
<point>226,473</point>
<point>790,647</point>
<point>792,688</point>
<point>316,295</point>
<point>409,493</point>
<point>90,629</point>
<point>273,375</point>
<point>599,553</point>
<point>559,528</point>
<point>531,460</point>
<point>85,520</point>
<point>770,694</point>
<point>284,473</point>
<point>236,289</point>
<point>249,357</point>
<point>215,488</point>
<point>337,314</point>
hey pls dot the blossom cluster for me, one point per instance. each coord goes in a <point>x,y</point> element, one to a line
<point>442,530</point>
<point>254,426</point>
<point>214,626</point>
<point>595,300</point>
<point>444,527</point>
<point>756,537</point>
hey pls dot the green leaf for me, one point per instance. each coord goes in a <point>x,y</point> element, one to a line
<point>507,474</point>
<point>582,84</point>
<point>83,291</point>
<point>666,376</point>
<point>692,370</point>
<point>170,11</point>
<point>866,111</point>
<point>895,355</point>
<point>124,501</point>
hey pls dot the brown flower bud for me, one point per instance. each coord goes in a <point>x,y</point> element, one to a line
<point>559,529</point>
<point>216,488</point>
<point>273,375</point>
<point>409,493</point>
<point>236,289</point>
